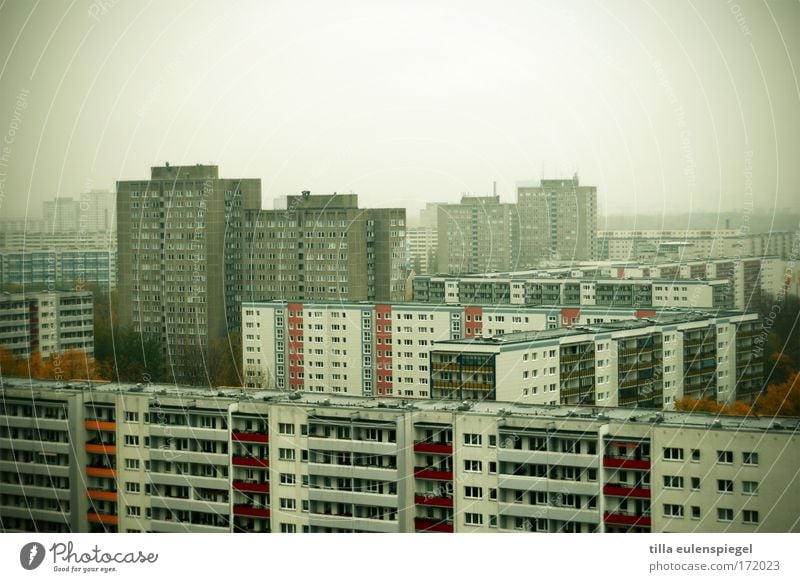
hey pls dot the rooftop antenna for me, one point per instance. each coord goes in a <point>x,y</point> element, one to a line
<point>494,188</point>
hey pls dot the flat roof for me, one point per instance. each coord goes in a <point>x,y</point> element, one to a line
<point>484,407</point>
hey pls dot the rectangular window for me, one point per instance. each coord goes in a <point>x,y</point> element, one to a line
<point>472,439</point>
<point>131,416</point>
<point>673,510</point>
<point>131,463</point>
<point>673,454</point>
<point>750,458</point>
<point>695,455</point>
<point>131,440</point>
<point>473,492</point>
<point>749,516</point>
<point>131,487</point>
<point>473,518</point>
<point>673,482</point>
<point>288,504</point>
<point>724,514</point>
<point>286,428</point>
<point>725,457</point>
<point>473,466</point>
<point>695,512</point>
<point>286,454</point>
<point>134,511</point>
<point>287,479</point>
<point>749,487</point>
<point>724,486</point>
<point>695,483</point>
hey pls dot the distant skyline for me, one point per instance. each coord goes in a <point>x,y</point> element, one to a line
<point>666,107</point>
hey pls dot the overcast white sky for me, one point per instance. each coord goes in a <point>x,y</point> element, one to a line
<point>663,105</point>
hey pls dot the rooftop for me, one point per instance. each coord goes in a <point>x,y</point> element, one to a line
<point>225,396</point>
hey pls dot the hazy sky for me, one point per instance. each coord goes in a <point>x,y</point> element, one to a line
<point>666,105</point>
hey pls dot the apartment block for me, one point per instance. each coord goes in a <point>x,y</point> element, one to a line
<point>557,221</point>
<point>687,245</point>
<point>179,248</point>
<point>49,322</point>
<point>478,235</point>
<point>522,289</point>
<point>323,247</point>
<point>379,349</point>
<point>76,259</point>
<point>647,363</point>
<point>92,212</point>
<point>423,246</point>
<point>160,459</point>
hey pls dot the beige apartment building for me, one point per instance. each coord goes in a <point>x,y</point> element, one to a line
<point>124,458</point>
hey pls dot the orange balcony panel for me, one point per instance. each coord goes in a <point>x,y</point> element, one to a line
<point>433,501</point>
<point>101,472</point>
<point>101,449</point>
<point>103,518</point>
<point>100,425</point>
<point>101,494</point>
<point>440,448</point>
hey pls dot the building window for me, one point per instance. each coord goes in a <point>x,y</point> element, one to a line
<point>472,439</point>
<point>695,483</point>
<point>473,518</point>
<point>473,466</point>
<point>750,487</point>
<point>750,458</point>
<point>287,479</point>
<point>725,457</point>
<point>131,440</point>
<point>134,511</point>
<point>286,428</point>
<point>288,528</point>
<point>695,512</point>
<point>673,454</point>
<point>673,510</point>
<point>695,455</point>
<point>749,516</point>
<point>131,487</point>
<point>131,463</point>
<point>131,416</point>
<point>724,514</point>
<point>473,492</point>
<point>673,482</point>
<point>724,486</point>
<point>288,504</point>
<point>286,454</point>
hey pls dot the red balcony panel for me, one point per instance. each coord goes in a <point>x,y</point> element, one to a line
<point>251,487</point>
<point>250,462</point>
<point>101,472</point>
<point>101,494</point>
<point>249,437</point>
<point>247,511</point>
<point>100,449</point>
<point>442,449</point>
<point>421,524</point>
<point>622,519</point>
<point>433,474</point>
<point>622,491</point>
<point>617,463</point>
<point>433,501</point>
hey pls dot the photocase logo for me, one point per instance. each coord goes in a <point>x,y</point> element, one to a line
<point>31,555</point>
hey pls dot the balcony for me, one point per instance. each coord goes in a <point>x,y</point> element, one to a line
<point>626,463</point>
<point>101,472</point>
<point>104,518</point>
<point>101,494</point>
<point>623,518</point>
<point>249,437</point>
<point>251,487</point>
<point>101,449</point>
<point>100,425</point>
<point>624,491</point>
<point>249,462</point>
<point>250,511</point>
<point>431,525</point>
<point>433,474</point>
<point>422,499</point>
<point>438,448</point>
